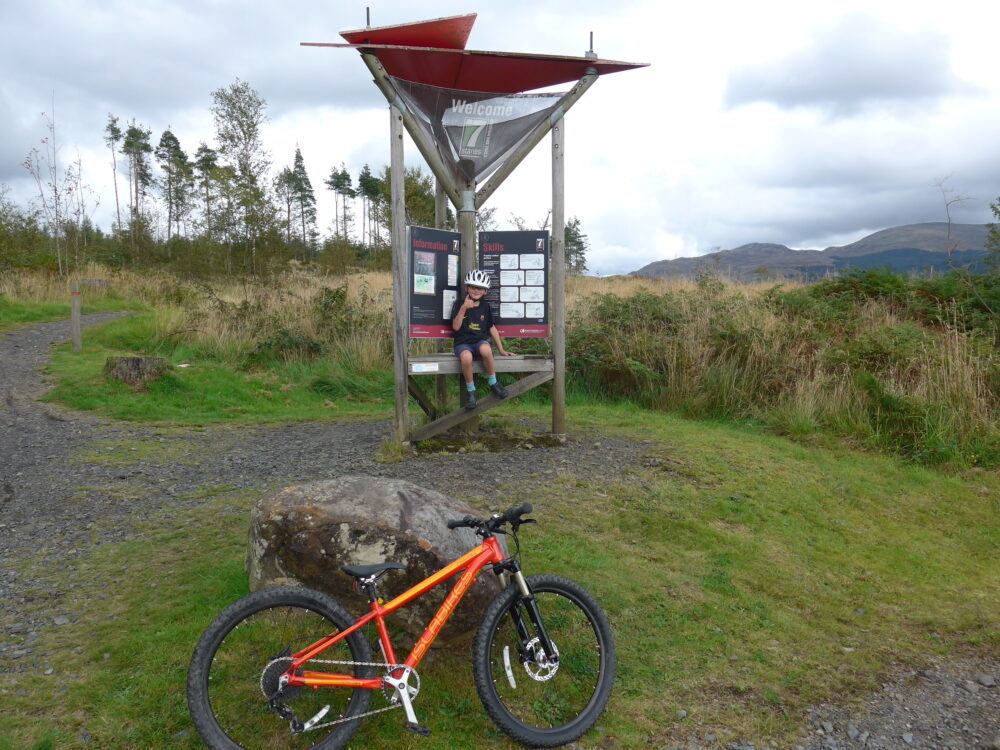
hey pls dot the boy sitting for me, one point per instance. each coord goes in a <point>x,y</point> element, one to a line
<point>472,322</point>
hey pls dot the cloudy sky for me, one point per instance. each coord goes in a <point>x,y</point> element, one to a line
<point>806,124</point>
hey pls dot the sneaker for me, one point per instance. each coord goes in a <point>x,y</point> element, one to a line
<point>470,403</point>
<point>498,390</point>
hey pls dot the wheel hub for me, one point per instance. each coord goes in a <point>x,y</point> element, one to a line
<point>539,667</point>
<point>270,679</point>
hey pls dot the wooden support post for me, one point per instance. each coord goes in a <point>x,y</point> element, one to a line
<point>429,407</point>
<point>74,316</point>
<point>559,278</point>
<point>440,219</point>
<point>463,417</point>
<point>467,228</point>
<point>400,263</point>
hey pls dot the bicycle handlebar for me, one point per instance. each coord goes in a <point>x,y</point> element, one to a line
<point>490,525</point>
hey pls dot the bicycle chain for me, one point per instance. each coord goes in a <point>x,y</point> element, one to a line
<point>387,667</point>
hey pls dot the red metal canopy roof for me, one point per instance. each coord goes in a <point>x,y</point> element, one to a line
<point>450,33</point>
<point>474,70</point>
<point>433,52</point>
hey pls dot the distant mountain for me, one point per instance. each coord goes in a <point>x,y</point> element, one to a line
<point>913,248</point>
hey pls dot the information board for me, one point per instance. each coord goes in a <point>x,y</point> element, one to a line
<point>518,264</point>
<point>434,278</point>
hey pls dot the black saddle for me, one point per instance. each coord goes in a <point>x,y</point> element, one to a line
<point>373,572</point>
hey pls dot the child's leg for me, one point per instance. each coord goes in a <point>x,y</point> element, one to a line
<point>465,360</point>
<point>486,353</point>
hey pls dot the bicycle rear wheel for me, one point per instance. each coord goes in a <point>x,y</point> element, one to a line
<point>537,702</point>
<point>239,658</point>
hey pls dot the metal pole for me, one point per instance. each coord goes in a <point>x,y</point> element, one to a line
<point>559,278</point>
<point>74,316</point>
<point>535,137</point>
<point>401,336</point>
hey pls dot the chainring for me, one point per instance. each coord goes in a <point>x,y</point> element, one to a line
<point>390,692</point>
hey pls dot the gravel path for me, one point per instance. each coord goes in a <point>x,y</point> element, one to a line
<point>64,490</point>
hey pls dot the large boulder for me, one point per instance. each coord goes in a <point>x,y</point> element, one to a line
<point>302,535</point>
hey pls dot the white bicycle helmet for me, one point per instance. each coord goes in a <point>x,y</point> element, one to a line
<point>478,278</point>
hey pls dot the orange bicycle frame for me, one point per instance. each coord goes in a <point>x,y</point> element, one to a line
<point>472,563</point>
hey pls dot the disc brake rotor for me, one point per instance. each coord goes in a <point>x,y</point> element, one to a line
<point>539,668</point>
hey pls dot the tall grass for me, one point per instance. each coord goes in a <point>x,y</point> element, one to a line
<point>884,369</point>
<point>908,366</point>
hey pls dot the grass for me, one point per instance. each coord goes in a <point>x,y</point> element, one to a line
<point>14,314</point>
<point>746,577</point>
<point>871,359</point>
<point>203,390</point>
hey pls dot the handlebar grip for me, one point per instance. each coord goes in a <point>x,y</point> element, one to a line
<point>462,522</point>
<point>515,513</point>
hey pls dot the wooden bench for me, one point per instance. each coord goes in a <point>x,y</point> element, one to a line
<point>446,363</point>
<point>539,368</point>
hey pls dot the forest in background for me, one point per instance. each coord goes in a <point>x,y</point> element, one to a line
<point>226,209</point>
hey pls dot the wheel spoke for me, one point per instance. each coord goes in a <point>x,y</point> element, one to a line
<point>240,659</point>
<point>548,702</point>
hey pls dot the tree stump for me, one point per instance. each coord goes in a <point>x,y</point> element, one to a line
<point>136,371</point>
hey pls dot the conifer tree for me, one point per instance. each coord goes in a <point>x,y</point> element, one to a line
<point>136,149</point>
<point>206,163</point>
<point>113,136</point>
<point>576,246</point>
<point>178,174</point>
<point>305,196</point>
<point>339,182</point>
<point>369,188</point>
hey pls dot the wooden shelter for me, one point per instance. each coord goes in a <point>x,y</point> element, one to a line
<point>433,53</point>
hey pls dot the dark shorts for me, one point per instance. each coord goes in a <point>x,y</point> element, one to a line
<point>474,348</point>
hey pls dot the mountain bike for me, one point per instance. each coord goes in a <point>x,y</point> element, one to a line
<point>543,657</point>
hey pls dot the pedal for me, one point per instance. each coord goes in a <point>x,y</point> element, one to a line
<point>419,729</point>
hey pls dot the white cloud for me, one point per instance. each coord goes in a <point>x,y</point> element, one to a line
<point>856,61</point>
<point>847,113</point>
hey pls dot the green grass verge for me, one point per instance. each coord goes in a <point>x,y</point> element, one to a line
<point>203,391</point>
<point>16,314</point>
<point>746,577</point>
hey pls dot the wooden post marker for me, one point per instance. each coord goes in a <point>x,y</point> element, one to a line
<point>74,317</point>
<point>559,279</point>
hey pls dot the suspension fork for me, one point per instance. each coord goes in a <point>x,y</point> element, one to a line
<point>514,576</point>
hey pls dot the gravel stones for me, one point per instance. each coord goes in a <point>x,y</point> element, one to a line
<point>70,481</point>
<point>931,709</point>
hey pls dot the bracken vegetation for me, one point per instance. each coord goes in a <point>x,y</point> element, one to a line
<point>908,366</point>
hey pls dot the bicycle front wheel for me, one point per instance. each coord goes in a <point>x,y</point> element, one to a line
<point>238,660</point>
<point>538,701</point>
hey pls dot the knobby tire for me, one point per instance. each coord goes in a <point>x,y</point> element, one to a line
<point>224,692</point>
<point>560,709</point>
